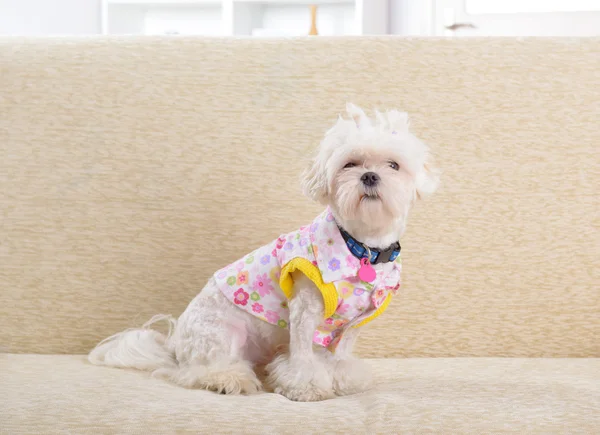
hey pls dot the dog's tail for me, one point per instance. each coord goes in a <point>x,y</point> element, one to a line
<point>142,349</point>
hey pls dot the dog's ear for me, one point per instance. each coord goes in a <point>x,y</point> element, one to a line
<point>314,178</point>
<point>427,179</point>
<point>314,181</point>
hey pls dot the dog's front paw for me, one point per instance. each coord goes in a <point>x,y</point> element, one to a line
<point>351,376</point>
<point>301,380</point>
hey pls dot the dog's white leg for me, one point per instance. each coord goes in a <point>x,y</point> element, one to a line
<point>210,342</point>
<point>301,374</point>
<point>350,374</point>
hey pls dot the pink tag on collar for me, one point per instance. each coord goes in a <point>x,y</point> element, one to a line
<point>366,272</point>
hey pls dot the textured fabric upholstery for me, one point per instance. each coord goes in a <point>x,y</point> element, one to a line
<point>133,168</point>
<point>65,394</point>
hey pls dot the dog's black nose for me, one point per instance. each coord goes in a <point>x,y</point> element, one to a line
<point>370,179</point>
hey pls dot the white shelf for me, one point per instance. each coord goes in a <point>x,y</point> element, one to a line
<point>243,17</point>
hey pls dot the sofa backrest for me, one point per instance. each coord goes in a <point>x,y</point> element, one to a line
<point>131,169</point>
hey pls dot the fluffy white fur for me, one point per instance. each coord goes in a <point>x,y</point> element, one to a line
<point>214,345</point>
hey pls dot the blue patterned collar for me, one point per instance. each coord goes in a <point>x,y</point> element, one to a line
<point>377,256</point>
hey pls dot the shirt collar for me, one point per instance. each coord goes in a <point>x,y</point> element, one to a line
<point>334,259</point>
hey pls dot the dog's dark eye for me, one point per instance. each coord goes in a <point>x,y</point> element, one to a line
<point>349,165</point>
<point>394,165</point>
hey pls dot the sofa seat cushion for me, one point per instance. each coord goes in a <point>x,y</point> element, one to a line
<point>50,394</point>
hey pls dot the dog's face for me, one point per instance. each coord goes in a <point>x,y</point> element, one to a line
<point>370,171</point>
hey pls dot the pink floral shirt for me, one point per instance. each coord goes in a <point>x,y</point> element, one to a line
<point>253,282</point>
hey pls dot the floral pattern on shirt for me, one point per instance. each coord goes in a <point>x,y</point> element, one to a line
<point>252,283</point>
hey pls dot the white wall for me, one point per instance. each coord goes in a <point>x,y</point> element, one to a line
<point>407,17</point>
<point>410,17</point>
<point>49,17</point>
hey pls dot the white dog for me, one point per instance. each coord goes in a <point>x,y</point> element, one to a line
<point>337,274</point>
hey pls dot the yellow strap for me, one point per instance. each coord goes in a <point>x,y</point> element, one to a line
<point>328,290</point>
<point>377,312</point>
<point>312,272</point>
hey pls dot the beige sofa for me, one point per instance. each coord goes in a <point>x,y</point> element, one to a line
<point>130,169</point>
